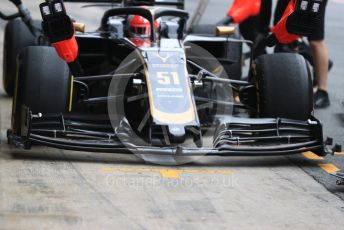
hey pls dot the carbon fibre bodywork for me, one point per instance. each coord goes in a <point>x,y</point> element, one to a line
<point>171,91</point>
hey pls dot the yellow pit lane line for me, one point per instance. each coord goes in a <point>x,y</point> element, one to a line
<point>169,173</point>
<point>312,156</point>
<point>329,168</point>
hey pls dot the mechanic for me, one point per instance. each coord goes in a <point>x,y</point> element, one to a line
<point>320,55</point>
<point>253,27</point>
<point>257,27</point>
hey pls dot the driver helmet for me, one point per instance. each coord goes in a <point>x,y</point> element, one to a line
<point>140,30</point>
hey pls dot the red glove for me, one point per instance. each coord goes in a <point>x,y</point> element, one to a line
<point>240,10</point>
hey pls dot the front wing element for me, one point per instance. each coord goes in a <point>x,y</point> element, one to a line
<point>239,137</point>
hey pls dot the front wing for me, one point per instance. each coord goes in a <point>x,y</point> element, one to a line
<point>239,137</point>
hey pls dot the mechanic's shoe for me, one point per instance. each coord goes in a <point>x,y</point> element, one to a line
<point>321,99</point>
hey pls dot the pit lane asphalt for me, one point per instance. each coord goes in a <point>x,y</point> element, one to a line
<point>48,188</point>
<point>333,117</point>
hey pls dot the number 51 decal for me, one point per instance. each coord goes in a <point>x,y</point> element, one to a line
<point>168,78</point>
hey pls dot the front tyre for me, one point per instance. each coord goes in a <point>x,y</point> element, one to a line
<point>284,86</point>
<point>43,84</point>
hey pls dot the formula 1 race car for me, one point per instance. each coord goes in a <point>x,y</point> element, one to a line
<point>141,84</point>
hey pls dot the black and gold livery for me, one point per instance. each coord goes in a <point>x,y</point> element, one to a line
<point>172,96</point>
